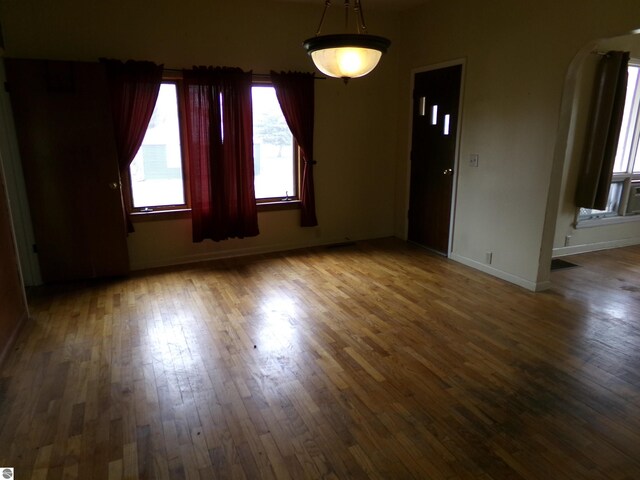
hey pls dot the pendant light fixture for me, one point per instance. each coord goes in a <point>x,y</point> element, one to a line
<point>346,55</point>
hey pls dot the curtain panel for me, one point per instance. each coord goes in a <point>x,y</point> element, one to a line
<point>296,96</point>
<point>220,141</point>
<point>603,131</point>
<point>133,88</point>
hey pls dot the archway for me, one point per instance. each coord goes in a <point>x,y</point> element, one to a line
<point>561,237</point>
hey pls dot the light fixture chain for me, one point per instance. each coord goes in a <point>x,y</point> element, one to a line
<point>327,4</point>
<point>360,15</point>
<point>346,14</point>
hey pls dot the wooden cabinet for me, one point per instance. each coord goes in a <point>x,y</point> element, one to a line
<point>65,134</point>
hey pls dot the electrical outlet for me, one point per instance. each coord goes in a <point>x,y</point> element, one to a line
<point>488,258</point>
<point>567,240</point>
<point>473,159</point>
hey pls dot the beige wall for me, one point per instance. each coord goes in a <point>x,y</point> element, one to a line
<point>517,57</point>
<point>518,97</point>
<point>356,124</point>
<point>568,239</point>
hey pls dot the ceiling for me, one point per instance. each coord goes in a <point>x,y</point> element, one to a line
<point>377,4</point>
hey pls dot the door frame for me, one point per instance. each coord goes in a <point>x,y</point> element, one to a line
<point>456,161</point>
<point>16,190</point>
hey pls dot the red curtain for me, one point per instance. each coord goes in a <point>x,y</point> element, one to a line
<point>220,141</point>
<point>295,92</point>
<point>134,88</point>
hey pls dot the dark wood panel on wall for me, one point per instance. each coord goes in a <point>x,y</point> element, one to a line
<point>65,134</point>
<point>13,307</point>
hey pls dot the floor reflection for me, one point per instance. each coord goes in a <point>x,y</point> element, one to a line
<point>277,327</point>
<point>171,343</point>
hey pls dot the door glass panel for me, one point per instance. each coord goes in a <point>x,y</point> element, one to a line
<point>422,107</point>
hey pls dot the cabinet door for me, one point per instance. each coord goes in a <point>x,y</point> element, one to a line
<point>65,134</point>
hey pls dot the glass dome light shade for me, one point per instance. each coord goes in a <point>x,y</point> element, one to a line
<point>346,62</point>
<point>346,55</point>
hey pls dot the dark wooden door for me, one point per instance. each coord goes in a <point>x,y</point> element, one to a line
<point>436,98</point>
<point>65,134</point>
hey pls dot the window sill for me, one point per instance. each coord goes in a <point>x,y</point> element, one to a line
<point>281,205</point>
<point>177,214</point>
<point>602,222</point>
<point>182,213</point>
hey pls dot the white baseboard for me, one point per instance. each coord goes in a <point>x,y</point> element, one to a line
<point>521,282</point>
<point>593,247</point>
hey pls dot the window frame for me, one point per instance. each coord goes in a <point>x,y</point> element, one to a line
<point>290,199</point>
<point>296,159</point>
<point>180,210</point>
<point>628,179</point>
<point>184,155</point>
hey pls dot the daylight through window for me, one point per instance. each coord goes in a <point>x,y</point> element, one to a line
<point>156,171</point>
<point>274,152</point>
<point>158,179</point>
<point>624,194</point>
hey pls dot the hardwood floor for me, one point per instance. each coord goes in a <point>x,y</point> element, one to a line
<point>370,361</point>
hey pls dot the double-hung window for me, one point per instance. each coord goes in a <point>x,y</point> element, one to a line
<point>624,194</point>
<point>158,175</point>
<point>275,152</point>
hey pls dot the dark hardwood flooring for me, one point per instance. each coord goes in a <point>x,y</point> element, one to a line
<point>377,360</point>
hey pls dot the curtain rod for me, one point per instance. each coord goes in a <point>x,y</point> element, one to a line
<point>257,76</point>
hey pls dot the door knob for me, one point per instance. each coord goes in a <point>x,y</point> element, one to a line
<point>448,171</point>
<point>114,186</point>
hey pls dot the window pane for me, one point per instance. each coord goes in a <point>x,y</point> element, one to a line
<point>273,152</point>
<point>156,170</point>
<point>628,123</point>
<point>613,204</point>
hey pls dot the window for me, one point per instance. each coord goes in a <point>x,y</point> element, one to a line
<point>158,177</point>
<point>156,173</point>
<point>275,153</point>
<point>624,194</point>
